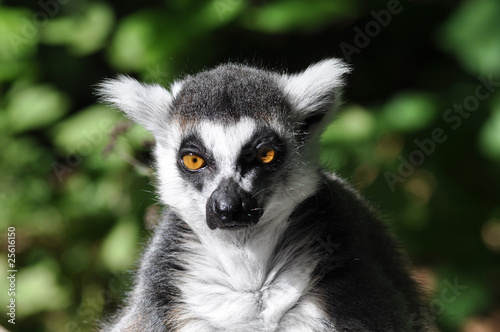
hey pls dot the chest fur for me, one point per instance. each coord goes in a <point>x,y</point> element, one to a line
<point>247,288</point>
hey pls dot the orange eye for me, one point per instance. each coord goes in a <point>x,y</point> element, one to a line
<point>266,155</point>
<point>193,162</point>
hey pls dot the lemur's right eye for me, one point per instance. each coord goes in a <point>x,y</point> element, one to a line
<point>193,162</point>
<point>266,154</point>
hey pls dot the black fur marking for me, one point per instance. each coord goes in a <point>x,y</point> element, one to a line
<point>364,278</point>
<point>194,144</point>
<point>264,136</point>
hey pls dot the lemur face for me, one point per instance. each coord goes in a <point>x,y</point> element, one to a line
<point>230,149</point>
<point>235,143</point>
<point>223,173</point>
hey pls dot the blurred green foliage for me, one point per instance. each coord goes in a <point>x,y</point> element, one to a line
<point>75,178</point>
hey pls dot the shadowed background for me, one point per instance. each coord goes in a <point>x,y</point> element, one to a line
<point>419,136</point>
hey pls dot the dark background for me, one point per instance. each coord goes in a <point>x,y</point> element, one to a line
<point>419,136</point>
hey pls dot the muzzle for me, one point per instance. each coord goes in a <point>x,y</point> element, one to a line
<point>231,207</point>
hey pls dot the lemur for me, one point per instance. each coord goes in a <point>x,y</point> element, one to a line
<point>256,235</point>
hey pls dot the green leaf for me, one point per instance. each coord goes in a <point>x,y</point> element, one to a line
<point>489,137</point>
<point>34,107</point>
<point>38,289</point>
<point>288,15</point>
<point>85,33</point>
<point>137,136</point>
<point>472,34</point>
<point>18,34</point>
<point>85,131</point>
<point>119,249</point>
<point>219,12</point>
<point>409,111</point>
<point>18,42</point>
<point>353,124</point>
<point>135,44</point>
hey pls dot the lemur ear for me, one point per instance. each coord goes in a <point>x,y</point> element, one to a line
<point>146,104</point>
<point>315,91</point>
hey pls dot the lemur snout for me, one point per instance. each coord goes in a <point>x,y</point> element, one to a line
<point>230,206</point>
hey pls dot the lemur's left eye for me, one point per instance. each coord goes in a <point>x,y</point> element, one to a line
<point>193,162</point>
<point>266,154</point>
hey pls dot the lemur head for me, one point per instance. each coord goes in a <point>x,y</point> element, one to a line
<point>235,145</point>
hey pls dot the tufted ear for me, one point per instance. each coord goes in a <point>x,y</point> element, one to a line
<point>315,91</point>
<point>146,104</point>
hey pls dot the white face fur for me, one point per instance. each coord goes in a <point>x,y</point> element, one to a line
<point>226,143</point>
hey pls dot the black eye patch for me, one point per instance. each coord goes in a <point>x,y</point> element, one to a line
<point>193,145</point>
<point>264,153</point>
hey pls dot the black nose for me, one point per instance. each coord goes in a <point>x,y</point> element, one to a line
<point>230,206</point>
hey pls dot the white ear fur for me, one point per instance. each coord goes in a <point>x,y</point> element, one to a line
<point>146,104</point>
<point>314,91</point>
